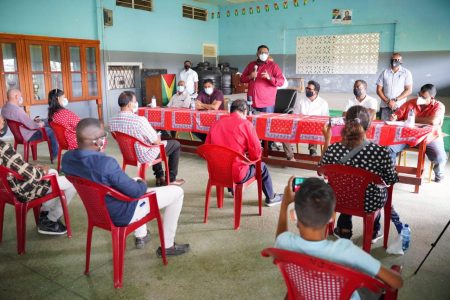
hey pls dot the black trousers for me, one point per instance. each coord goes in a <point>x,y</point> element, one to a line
<point>173,149</point>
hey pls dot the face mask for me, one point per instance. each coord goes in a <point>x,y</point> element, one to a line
<point>263,57</point>
<point>187,67</point>
<point>395,63</point>
<point>135,107</point>
<point>421,101</point>
<point>4,130</point>
<point>65,102</point>
<point>357,92</point>
<point>180,88</point>
<point>20,101</point>
<point>309,94</point>
<point>209,90</point>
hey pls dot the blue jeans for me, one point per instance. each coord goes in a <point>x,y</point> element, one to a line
<point>266,179</point>
<point>435,152</point>
<point>268,109</point>
<point>51,136</point>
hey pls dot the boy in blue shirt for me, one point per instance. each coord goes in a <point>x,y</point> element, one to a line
<point>314,206</point>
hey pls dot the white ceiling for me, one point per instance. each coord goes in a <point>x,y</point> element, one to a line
<point>226,2</point>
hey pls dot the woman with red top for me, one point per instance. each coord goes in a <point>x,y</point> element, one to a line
<point>58,114</point>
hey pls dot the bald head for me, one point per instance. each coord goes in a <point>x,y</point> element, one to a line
<point>14,96</point>
<point>89,130</point>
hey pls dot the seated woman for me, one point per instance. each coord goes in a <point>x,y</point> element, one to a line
<point>370,157</point>
<point>58,114</point>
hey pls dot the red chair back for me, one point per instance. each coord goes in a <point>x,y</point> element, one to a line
<point>126,145</point>
<point>349,185</point>
<point>60,132</point>
<point>309,277</point>
<point>220,160</point>
<point>14,126</point>
<point>93,196</point>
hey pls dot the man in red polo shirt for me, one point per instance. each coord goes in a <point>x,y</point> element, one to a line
<point>237,133</point>
<point>263,77</point>
<point>427,110</point>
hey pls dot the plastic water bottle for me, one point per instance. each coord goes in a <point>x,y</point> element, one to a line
<point>249,104</point>
<point>410,122</point>
<point>192,103</point>
<point>406,237</point>
<point>153,103</point>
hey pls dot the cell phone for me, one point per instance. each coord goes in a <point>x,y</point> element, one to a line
<point>334,121</point>
<point>296,183</point>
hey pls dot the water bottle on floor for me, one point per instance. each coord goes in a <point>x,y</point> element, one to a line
<point>406,237</point>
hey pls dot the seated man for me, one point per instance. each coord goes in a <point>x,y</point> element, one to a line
<point>430,111</point>
<point>209,98</point>
<point>361,98</point>
<point>310,104</point>
<point>314,207</point>
<point>34,187</point>
<point>89,161</point>
<point>237,133</point>
<point>13,111</point>
<point>129,123</point>
<point>181,98</point>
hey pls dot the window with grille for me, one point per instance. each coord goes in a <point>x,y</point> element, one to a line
<point>122,77</point>
<point>195,13</point>
<point>136,4</point>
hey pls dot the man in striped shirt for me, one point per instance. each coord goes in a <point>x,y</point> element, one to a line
<point>138,127</point>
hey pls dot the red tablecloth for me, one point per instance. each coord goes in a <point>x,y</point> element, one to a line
<point>283,127</point>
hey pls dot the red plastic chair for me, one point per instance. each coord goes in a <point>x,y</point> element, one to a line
<point>308,277</point>
<point>219,160</point>
<point>349,185</point>
<point>59,131</point>
<point>93,196</point>
<point>7,196</point>
<point>18,139</point>
<point>126,145</point>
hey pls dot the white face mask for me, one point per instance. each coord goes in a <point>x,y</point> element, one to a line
<point>421,101</point>
<point>135,107</point>
<point>180,88</point>
<point>263,57</point>
<point>209,90</point>
<point>20,101</point>
<point>65,102</point>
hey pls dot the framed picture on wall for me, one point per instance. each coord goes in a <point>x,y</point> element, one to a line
<point>336,16</point>
<point>346,15</point>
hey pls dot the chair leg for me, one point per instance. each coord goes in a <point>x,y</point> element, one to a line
<point>2,215</point>
<point>207,197</point>
<point>166,166</point>
<point>88,248</point>
<point>63,200</point>
<point>59,159</point>
<point>25,152</point>
<point>368,231</point>
<point>21,220</point>
<point>50,150</point>
<point>219,192</point>
<point>237,205</point>
<point>34,152</point>
<point>387,216</point>
<point>118,243</point>
<point>161,238</point>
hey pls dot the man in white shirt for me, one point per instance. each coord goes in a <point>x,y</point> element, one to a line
<point>181,98</point>
<point>361,98</point>
<point>393,87</point>
<point>309,104</point>
<point>190,78</point>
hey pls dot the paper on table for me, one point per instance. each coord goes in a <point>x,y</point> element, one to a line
<point>395,123</point>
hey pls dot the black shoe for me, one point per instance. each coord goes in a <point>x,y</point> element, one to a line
<point>140,242</point>
<point>161,181</point>
<point>43,215</point>
<point>337,232</point>
<point>51,228</point>
<point>312,152</point>
<point>176,249</point>
<point>276,199</point>
<point>438,178</point>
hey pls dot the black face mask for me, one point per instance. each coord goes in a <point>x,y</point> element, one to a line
<point>357,92</point>
<point>309,94</point>
<point>4,130</point>
<point>187,67</point>
<point>395,63</point>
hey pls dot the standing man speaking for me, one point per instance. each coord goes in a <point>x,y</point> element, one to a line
<point>263,78</point>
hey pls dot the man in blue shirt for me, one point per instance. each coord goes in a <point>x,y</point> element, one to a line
<point>314,206</point>
<point>89,161</point>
